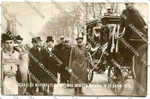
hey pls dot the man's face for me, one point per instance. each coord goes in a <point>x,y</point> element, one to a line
<point>79,42</point>
<point>9,44</point>
<point>50,44</point>
<point>109,11</point>
<point>39,44</point>
<point>66,42</point>
<point>62,40</point>
<point>129,5</point>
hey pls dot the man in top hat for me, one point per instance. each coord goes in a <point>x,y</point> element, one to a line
<point>51,62</point>
<point>42,66</point>
<point>50,42</point>
<point>37,43</point>
<point>79,65</point>
<point>36,73</point>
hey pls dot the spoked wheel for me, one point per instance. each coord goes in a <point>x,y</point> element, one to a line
<point>117,87</point>
<point>115,80</point>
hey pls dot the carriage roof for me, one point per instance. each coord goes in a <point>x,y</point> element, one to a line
<point>111,19</point>
<point>107,19</point>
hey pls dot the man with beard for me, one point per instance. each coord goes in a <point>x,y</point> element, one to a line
<point>36,72</point>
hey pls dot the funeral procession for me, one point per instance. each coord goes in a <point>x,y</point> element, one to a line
<point>79,49</point>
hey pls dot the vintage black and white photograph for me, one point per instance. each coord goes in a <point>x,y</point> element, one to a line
<point>74,48</point>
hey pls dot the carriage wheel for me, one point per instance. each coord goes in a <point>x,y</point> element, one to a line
<point>90,75</point>
<point>116,82</point>
<point>117,87</point>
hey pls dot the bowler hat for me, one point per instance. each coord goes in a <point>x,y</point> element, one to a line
<point>50,38</point>
<point>38,38</point>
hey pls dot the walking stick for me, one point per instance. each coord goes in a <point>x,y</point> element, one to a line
<point>70,59</point>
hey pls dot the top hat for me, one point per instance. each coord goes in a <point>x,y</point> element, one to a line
<point>36,39</point>
<point>129,3</point>
<point>50,38</point>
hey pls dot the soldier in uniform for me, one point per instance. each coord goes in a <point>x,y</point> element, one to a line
<point>78,66</point>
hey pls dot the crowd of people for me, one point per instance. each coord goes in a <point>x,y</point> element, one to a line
<point>25,70</point>
<point>32,67</point>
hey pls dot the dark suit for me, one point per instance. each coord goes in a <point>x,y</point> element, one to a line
<point>133,23</point>
<point>133,17</point>
<point>42,67</point>
<point>63,52</point>
<point>131,20</point>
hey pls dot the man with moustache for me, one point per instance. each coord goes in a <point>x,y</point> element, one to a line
<point>78,66</point>
<point>62,51</point>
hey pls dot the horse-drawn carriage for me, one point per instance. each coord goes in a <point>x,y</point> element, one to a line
<point>109,52</point>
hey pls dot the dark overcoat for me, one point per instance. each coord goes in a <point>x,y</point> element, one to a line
<point>63,53</point>
<point>79,65</point>
<point>42,67</point>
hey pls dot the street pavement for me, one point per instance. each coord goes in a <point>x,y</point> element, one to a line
<point>99,86</point>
